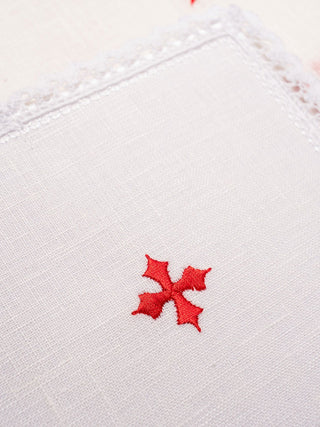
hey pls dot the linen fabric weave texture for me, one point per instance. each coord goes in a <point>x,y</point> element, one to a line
<point>196,162</point>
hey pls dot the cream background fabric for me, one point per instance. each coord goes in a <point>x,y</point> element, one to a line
<point>38,38</point>
<point>200,167</point>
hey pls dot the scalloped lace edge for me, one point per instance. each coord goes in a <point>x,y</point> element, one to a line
<point>289,81</point>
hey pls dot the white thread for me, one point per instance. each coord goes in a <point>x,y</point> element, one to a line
<point>298,91</point>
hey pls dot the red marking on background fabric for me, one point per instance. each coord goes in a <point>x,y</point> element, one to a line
<point>316,66</point>
<point>152,303</point>
<point>192,1</point>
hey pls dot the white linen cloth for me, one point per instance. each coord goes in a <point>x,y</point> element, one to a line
<point>195,162</point>
<point>38,38</point>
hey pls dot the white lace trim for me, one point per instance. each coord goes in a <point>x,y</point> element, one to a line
<point>298,91</point>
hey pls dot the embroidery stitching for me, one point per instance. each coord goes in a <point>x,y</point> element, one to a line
<point>152,303</point>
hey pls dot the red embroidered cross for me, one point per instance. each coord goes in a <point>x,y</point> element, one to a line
<point>152,304</point>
